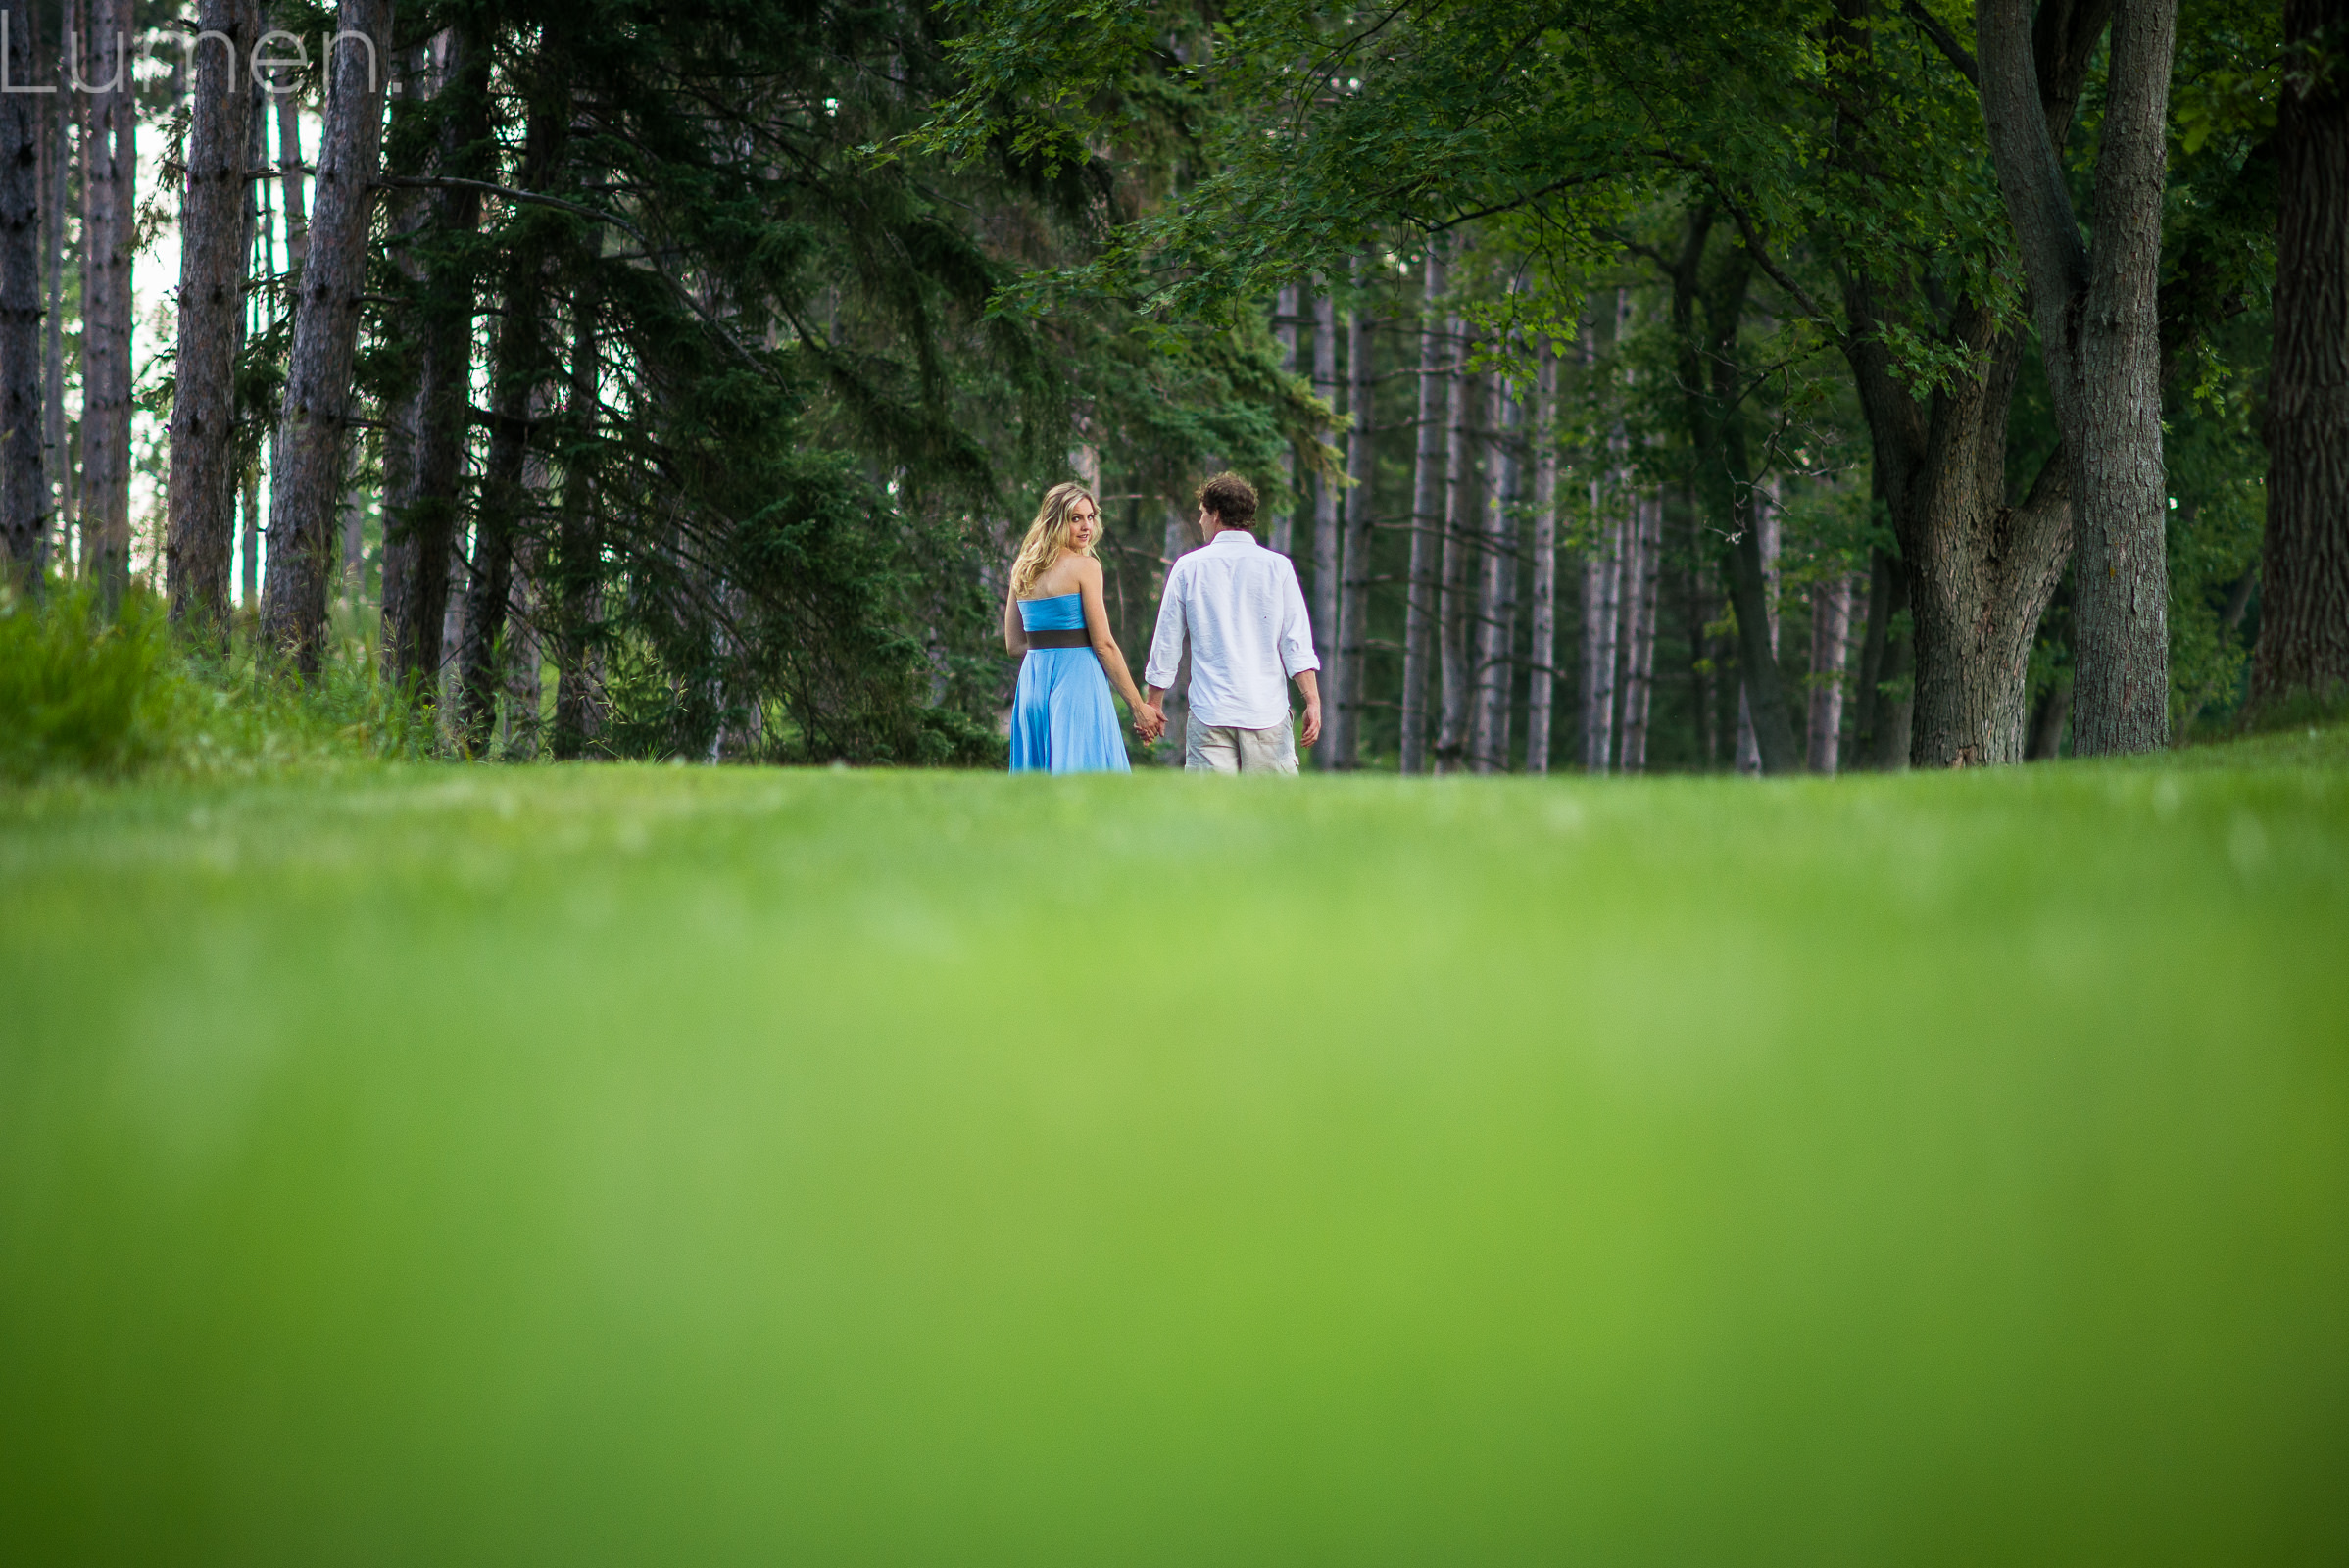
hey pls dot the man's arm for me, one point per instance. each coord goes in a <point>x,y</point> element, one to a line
<point>1308,685</point>
<point>1166,642</point>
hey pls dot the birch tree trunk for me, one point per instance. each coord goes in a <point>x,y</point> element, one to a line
<point>1764,522</point>
<point>1831,644</point>
<point>1180,539</point>
<point>1324,609</point>
<point>1497,592</point>
<point>1639,629</point>
<point>1543,652</point>
<point>2304,598</point>
<point>199,505</point>
<point>1353,567</point>
<point>23,508</point>
<point>109,153</point>
<point>1427,519</point>
<point>1278,529</point>
<point>2099,333</point>
<point>57,147</point>
<point>1452,604</point>
<point>425,529</point>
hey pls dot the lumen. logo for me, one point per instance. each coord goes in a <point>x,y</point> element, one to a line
<point>269,67</point>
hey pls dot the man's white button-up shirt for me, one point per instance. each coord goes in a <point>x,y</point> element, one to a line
<point>1239,606</point>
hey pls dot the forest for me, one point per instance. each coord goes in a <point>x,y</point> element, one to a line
<point>1635,387</point>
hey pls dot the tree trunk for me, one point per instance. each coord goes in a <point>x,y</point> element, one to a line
<point>2304,597</point>
<point>23,509</point>
<point>1831,645</point>
<point>2100,335</point>
<point>1325,536</point>
<point>2048,725</point>
<point>1639,631</point>
<point>424,528</point>
<point>1278,529</point>
<point>200,532</point>
<point>1180,537</point>
<point>1542,656</point>
<point>315,425</point>
<point>290,176</point>
<point>575,577</point>
<point>1497,591</point>
<point>108,160</point>
<point>1453,607</point>
<point>1427,520</point>
<point>518,377</point>
<point>1765,525</point>
<point>57,455</point>
<point>1353,570</point>
<point>406,221</point>
<point>1602,580</point>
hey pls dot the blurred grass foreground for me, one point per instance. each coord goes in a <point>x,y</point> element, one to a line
<point>649,1165</point>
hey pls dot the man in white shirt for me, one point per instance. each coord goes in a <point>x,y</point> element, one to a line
<point>1238,606</point>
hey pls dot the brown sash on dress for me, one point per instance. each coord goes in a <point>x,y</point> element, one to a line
<point>1073,637</point>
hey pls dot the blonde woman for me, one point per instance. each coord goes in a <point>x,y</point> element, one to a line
<point>1061,718</point>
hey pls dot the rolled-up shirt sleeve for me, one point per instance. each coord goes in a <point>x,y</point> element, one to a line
<point>1297,627</point>
<point>1166,643</point>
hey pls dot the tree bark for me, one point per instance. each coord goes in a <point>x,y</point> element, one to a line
<point>23,509</point>
<point>1602,579</point>
<point>2304,597</point>
<point>1353,570</point>
<point>109,149</point>
<point>314,424</point>
<point>1765,524</point>
<point>1647,529</point>
<point>200,517</point>
<point>1830,653</point>
<point>1325,536</point>
<point>518,374</point>
<point>1279,528</point>
<point>1543,652</point>
<point>2098,315</point>
<point>1453,607</point>
<point>575,575</point>
<point>59,457</point>
<point>1497,591</point>
<point>1427,520</point>
<point>422,531</point>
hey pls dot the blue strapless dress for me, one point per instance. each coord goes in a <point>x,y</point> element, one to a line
<point>1064,716</point>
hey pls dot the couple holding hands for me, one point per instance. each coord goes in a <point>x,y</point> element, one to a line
<point>1236,606</point>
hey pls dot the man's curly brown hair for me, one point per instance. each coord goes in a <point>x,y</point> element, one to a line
<point>1232,499</point>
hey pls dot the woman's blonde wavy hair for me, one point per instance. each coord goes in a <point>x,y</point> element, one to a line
<point>1048,535</point>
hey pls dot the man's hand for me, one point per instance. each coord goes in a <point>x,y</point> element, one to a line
<point>1149,722</point>
<point>1313,721</point>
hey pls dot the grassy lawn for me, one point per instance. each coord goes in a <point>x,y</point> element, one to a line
<point>637,1164</point>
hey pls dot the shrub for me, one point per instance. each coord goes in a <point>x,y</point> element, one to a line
<point>85,692</point>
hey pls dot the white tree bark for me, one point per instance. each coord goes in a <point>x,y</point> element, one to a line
<point>1427,519</point>
<point>1543,654</point>
<point>1830,653</point>
<point>1639,628</point>
<point>1497,590</point>
<point>1353,569</point>
<point>1765,515</point>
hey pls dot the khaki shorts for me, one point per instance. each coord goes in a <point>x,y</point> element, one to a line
<point>1228,749</point>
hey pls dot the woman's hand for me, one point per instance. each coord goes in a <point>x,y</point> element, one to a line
<point>1148,722</point>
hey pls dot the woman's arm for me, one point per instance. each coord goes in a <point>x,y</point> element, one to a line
<point>1015,635</point>
<point>1104,646</point>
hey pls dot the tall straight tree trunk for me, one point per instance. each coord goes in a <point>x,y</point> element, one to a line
<point>2100,335</point>
<point>1427,519</point>
<point>1542,652</point>
<point>23,509</point>
<point>1765,522</point>
<point>57,126</point>
<point>2304,598</point>
<point>200,517</point>
<point>425,529</point>
<point>1325,534</point>
<point>1453,607</point>
<point>1181,539</point>
<point>1353,569</point>
<point>109,153</point>
<point>315,425</point>
<point>1279,530</point>
<point>1497,592</point>
<point>1831,645</point>
<point>1601,577</point>
<point>406,221</point>
<point>1639,631</point>
<point>575,575</point>
<point>518,374</point>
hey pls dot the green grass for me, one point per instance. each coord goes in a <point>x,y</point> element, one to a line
<point>654,1165</point>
